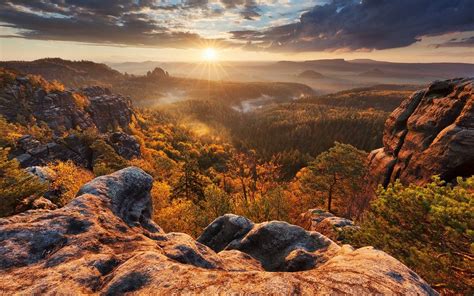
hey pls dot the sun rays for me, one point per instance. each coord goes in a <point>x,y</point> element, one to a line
<point>209,55</point>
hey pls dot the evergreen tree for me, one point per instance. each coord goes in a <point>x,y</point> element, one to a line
<point>430,228</point>
<point>191,184</point>
<point>106,160</point>
<point>15,184</point>
<point>338,174</point>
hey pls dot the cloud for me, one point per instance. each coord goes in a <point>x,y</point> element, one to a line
<point>120,22</point>
<point>462,42</point>
<point>365,25</point>
<point>332,25</point>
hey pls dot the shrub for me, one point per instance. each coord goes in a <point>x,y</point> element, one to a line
<point>430,228</point>
<point>16,184</point>
<point>106,160</point>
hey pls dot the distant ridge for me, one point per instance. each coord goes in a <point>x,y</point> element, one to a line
<point>310,74</point>
<point>375,72</point>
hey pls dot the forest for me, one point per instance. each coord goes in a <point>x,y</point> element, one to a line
<point>208,159</point>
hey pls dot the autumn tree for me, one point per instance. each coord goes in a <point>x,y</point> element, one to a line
<point>216,203</point>
<point>69,178</point>
<point>338,175</point>
<point>242,168</point>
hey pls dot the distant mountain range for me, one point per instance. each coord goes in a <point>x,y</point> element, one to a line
<point>439,70</point>
<point>336,74</point>
<point>156,85</point>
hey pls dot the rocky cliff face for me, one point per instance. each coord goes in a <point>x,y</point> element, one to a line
<point>430,133</point>
<point>61,110</point>
<point>31,152</point>
<point>103,242</point>
<point>30,100</point>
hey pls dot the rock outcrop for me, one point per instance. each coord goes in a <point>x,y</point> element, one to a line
<point>26,99</point>
<point>157,74</point>
<point>279,246</point>
<point>31,152</point>
<point>124,144</point>
<point>430,133</point>
<point>104,242</point>
<point>325,223</point>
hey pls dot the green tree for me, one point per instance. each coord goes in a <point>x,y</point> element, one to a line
<point>338,174</point>
<point>216,203</point>
<point>273,205</point>
<point>16,184</point>
<point>430,228</point>
<point>191,184</point>
<point>106,160</point>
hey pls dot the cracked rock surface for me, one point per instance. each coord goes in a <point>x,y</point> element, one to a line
<point>430,133</point>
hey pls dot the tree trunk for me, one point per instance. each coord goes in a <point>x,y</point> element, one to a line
<point>330,199</point>
<point>331,189</point>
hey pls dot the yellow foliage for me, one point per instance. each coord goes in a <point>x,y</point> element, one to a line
<point>38,81</point>
<point>9,133</point>
<point>160,194</point>
<point>68,180</point>
<point>80,100</point>
<point>178,217</point>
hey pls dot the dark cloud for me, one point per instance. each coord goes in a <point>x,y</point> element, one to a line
<point>249,9</point>
<point>366,24</point>
<point>112,22</point>
<point>196,3</point>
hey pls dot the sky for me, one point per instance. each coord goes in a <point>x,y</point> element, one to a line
<point>238,30</point>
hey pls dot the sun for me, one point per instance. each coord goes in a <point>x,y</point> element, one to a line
<point>209,54</point>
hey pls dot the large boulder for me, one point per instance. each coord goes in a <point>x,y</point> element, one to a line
<point>104,243</point>
<point>223,230</point>
<point>430,133</point>
<point>125,145</point>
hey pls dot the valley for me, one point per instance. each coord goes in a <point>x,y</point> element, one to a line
<point>198,150</point>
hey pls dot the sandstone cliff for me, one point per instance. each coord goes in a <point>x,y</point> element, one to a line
<point>30,100</point>
<point>33,100</point>
<point>103,242</point>
<point>430,133</point>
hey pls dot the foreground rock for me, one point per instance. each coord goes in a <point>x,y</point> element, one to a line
<point>430,133</point>
<point>279,246</point>
<point>103,242</point>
